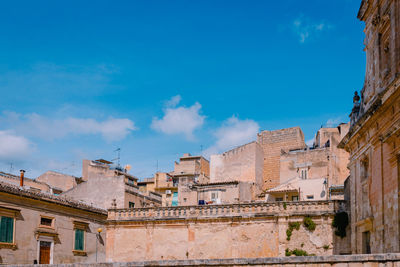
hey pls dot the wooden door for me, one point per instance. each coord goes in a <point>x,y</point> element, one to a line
<point>44,257</point>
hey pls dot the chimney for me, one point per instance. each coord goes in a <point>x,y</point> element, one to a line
<point>21,182</point>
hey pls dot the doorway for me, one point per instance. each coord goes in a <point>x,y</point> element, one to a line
<point>44,252</point>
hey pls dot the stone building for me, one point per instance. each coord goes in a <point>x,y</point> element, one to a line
<point>103,183</point>
<point>273,143</point>
<point>373,140</point>
<point>313,172</point>
<point>175,187</point>
<point>28,182</point>
<point>243,164</point>
<point>146,184</point>
<point>39,227</point>
<point>166,186</point>
<point>59,181</point>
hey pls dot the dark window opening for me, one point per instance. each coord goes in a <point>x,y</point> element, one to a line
<point>46,221</point>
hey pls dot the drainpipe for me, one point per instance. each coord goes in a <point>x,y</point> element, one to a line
<point>21,181</point>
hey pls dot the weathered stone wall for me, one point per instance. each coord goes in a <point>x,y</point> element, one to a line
<point>272,143</point>
<point>100,191</point>
<point>243,164</point>
<point>58,180</point>
<point>218,231</point>
<point>314,160</point>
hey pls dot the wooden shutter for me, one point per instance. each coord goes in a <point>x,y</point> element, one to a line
<point>79,239</point>
<point>6,229</point>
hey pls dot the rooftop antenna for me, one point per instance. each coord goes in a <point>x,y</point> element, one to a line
<point>11,167</point>
<point>201,150</point>
<point>118,150</point>
<point>157,165</point>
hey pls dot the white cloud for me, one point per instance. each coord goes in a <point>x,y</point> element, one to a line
<point>233,132</point>
<point>333,122</point>
<point>33,124</point>
<point>179,120</point>
<point>174,101</point>
<point>14,147</point>
<point>305,28</point>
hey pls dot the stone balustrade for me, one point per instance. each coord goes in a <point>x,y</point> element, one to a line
<point>231,210</point>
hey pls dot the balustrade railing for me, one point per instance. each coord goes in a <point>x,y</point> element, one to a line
<point>243,210</point>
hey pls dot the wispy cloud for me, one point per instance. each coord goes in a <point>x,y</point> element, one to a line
<point>179,119</point>
<point>14,147</point>
<point>333,122</point>
<point>35,125</point>
<point>305,28</point>
<point>233,132</point>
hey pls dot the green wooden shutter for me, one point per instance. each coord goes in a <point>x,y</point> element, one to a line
<point>79,239</point>
<point>6,229</point>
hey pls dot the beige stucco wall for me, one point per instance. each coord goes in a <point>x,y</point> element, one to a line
<point>58,180</point>
<point>27,223</point>
<point>242,164</point>
<point>192,165</point>
<point>100,191</point>
<point>211,232</point>
<point>315,161</point>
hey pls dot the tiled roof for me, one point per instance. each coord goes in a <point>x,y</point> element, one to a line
<point>47,197</point>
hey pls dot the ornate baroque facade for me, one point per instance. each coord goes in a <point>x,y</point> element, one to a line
<point>374,137</point>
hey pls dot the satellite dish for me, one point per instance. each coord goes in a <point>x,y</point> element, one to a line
<point>127,167</point>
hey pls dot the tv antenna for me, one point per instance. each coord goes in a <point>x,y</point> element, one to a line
<point>11,167</point>
<point>118,150</point>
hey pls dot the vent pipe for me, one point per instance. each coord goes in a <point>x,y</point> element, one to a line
<point>21,182</point>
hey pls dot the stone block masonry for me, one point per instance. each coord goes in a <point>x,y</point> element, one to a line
<point>253,230</point>
<point>272,143</point>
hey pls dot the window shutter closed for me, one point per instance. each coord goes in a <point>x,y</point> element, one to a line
<point>6,229</point>
<point>79,239</point>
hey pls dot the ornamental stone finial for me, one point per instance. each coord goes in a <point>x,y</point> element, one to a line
<point>114,204</point>
<point>356,97</point>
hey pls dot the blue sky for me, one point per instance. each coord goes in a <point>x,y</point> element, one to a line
<point>79,79</point>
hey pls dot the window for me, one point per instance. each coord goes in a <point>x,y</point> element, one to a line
<point>304,174</point>
<point>131,205</point>
<point>46,222</point>
<point>310,196</point>
<point>7,230</point>
<point>79,240</point>
<point>295,198</point>
<point>214,195</point>
<point>366,249</point>
<point>279,199</point>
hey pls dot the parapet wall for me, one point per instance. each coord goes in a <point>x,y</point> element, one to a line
<point>219,231</point>
<point>391,259</point>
